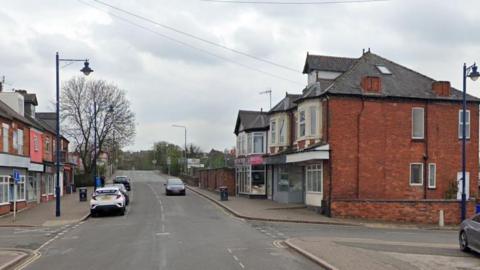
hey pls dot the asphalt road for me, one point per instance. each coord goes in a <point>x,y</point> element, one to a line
<point>160,232</point>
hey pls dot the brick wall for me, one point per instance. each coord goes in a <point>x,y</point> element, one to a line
<point>212,179</point>
<point>4,209</point>
<point>373,161</point>
<point>414,211</point>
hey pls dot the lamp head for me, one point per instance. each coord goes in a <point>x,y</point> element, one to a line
<point>110,109</point>
<point>86,69</point>
<point>474,74</point>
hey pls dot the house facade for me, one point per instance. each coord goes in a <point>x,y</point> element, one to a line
<point>369,138</point>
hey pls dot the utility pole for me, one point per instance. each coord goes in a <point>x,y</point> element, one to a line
<point>269,92</point>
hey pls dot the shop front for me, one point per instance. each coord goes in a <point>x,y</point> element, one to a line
<point>251,176</point>
<point>33,184</point>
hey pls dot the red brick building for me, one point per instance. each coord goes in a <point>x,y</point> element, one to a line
<point>369,138</point>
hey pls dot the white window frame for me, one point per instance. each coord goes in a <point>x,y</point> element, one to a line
<point>313,120</point>
<point>5,138</point>
<point>413,122</point>
<point>460,124</point>
<point>309,169</point>
<point>51,184</point>
<point>5,189</point>
<point>421,174</point>
<point>273,131</point>
<point>21,186</point>
<point>257,134</point>
<point>430,176</point>
<point>281,132</point>
<point>20,141</point>
<point>249,143</point>
<point>15,139</point>
<point>300,123</point>
<point>36,146</point>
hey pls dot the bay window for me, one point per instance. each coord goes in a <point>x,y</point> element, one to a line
<point>5,138</point>
<point>20,141</point>
<point>301,123</point>
<point>273,131</point>
<point>313,120</point>
<point>281,131</point>
<point>258,143</point>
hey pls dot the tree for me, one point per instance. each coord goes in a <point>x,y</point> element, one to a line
<point>78,115</point>
<point>162,151</point>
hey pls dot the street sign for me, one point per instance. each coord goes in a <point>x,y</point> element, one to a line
<point>154,161</point>
<point>16,176</point>
<point>169,161</point>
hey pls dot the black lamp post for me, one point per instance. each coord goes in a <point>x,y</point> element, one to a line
<point>473,74</point>
<point>111,110</point>
<point>184,127</point>
<point>85,70</point>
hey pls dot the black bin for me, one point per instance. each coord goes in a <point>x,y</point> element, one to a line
<point>223,193</point>
<point>82,193</point>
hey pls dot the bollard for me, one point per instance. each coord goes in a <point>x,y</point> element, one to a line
<point>441,218</point>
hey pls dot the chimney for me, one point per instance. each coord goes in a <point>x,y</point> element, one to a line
<point>441,88</point>
<point>21,91</point>
<point>371,84</point>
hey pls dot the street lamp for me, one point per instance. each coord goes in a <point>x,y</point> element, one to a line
<point>179,126</point>
<point>473,74</point>
<point>111,110</point>
<point>85,70</point>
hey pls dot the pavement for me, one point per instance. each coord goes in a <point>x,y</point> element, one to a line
<point>10,257</point>
<point>43,214</point>
<point>268,210</point>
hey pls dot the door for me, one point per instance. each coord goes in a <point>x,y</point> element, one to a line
<point>459,184</point>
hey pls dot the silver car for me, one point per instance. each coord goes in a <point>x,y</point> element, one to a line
<point>469,236</point>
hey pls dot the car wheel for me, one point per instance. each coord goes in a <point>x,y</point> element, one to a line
<point>463,241</point>
<point>167,193</point>
<point>122,212</point>
<point>93,213</point>
<point>183,193</point>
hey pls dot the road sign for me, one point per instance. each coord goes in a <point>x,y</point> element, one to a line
<point>169,161</point>
<point>16,176</point>
<point>154,161</point>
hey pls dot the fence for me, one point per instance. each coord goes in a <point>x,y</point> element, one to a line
<point>212,179</point>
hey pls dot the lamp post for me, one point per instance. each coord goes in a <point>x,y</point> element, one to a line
<point>184,127</point>
<point>473,74</point>
<point>85,70</point>
<point>111,110</point>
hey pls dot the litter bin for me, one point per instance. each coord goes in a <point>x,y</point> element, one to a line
<point>74,188</point>
<point>223,193</point>
<point>82,193</point>
<point>477,208</point>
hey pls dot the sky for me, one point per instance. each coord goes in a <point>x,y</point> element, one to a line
<point>193,83</point>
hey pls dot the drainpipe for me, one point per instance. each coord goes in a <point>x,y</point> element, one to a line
<point>359,116</point>
<point>425,155</point>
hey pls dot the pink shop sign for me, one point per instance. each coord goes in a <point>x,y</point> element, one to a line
<point>256,160</point>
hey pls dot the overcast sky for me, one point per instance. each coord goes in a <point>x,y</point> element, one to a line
<point>169,83</point>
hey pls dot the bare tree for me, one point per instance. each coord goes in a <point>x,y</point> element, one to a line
<point>113,114</point>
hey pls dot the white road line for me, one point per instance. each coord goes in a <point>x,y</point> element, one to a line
<point>241,265</point>
<point>229,250</point>
<point>235,258</point>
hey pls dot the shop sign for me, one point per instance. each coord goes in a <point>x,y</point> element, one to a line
<point>240,162</point>
<point>256,160</point>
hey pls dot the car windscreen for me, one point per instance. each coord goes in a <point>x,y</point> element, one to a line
<point>175,182</point>
<point>120,179</point>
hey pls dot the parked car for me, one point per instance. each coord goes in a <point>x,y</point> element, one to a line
<point>122,180</point>
<point>107,199</point>
<point>469,235</point>
<point>174,186</point>
<point>123,190</point>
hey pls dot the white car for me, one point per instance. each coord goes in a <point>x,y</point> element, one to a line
<point>107,199</point>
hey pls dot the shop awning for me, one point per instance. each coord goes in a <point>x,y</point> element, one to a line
<point>319,152</point>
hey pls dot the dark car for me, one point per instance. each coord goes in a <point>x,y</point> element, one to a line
<point>122,180</point>
<point>469,235</point>
<point>174,186</point>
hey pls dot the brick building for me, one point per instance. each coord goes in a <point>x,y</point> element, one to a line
<point>369,138</point>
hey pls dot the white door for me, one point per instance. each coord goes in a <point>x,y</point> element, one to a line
<point>459,184</point>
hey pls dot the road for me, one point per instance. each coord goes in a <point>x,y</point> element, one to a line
<point>160,232</point>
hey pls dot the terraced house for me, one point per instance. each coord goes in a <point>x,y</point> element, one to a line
<point>369,138</point>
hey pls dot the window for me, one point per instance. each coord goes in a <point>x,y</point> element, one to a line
<point>258,143</point>
<point>47,145</point>
<point>432,175</point>
<point>5,139</point>
<point>21,189</point>
<point>20,141</point>
<point>418,128</point>
<point>4,189</point>
<point>282,131</point>
<point>313,120</point>
<point>249,143</point>
<point>314,178</point>
<point>273,131</point>
<point>416,174</point>
<point>467,124</point>
<point>35,143</point>
<point>301,124</point>
<point>50,184</point>
<point>15,140</point>
<point>384,70</point>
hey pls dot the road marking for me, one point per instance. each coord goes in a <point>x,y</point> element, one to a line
<point>235,258</point>
<point>241,265</point>
<point>229,250</point>
<point>278,244</point>
<point>162,233</point>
